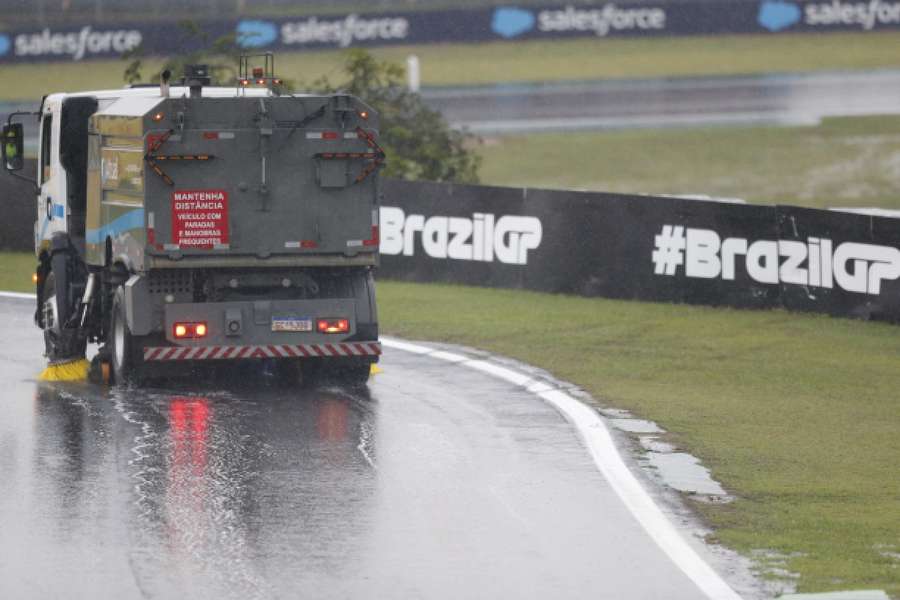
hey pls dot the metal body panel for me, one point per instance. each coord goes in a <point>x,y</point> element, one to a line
<point>257,321</point>
<point>234,181</point>
<point>221,259</point>
<point>264,167</point>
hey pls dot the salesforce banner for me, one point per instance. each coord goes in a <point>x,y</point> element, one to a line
<point>642,248</point>
<point>690,17</point>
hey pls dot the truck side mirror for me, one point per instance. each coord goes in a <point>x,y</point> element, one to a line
<point>13,146</point>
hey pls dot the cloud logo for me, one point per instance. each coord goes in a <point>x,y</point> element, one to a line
<point>4,44</point>
<point>510,22</point>
<point>776,15</point>
<point>256,34</point>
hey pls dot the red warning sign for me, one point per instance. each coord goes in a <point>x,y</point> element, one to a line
<point>199,218</point>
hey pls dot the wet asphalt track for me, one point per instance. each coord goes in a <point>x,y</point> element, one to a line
<point>794,99</point>
<point>785,99</point>
<point>439,482</point>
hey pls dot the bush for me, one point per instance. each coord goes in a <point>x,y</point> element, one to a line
<point>417,140</point>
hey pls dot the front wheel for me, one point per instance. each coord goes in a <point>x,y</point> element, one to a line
<point>127,363</point>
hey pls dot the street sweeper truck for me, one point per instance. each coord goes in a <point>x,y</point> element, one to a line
<point>183,223</point>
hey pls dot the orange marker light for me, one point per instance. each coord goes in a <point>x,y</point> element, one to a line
<point>363,114</point>
<point>333,325</point>
<point>190,330</point>
<point>34,278</point>
<point>158,117</point>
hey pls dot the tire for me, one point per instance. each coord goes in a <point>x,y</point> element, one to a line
<point>125,358</point>
<point>353,373</point>
<point>60,343</point>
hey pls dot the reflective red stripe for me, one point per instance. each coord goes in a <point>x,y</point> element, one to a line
<point>274,351</point>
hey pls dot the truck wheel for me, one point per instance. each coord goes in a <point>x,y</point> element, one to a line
<point>346,372</point>
<point>127,365</point>
<point>356,375</point>
<point>60,343</point>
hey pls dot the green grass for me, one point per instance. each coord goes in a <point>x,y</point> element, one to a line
<point>15,271</point>
<point>488,63</point>
<point>796,414</point>
<point>842,162</point>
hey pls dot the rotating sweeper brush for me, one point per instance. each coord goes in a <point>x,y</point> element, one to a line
<point>73,370</point>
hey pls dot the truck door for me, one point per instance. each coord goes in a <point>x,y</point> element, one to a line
<point>51,200</point>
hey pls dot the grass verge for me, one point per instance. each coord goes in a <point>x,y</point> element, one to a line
<point>853,161</point>
<point>796,414</point>
<point>15,271</point>
<point>490,63</point>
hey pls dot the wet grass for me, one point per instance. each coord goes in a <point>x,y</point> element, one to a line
<point>490,63</point>
<point>15,271</point>
<point>796,414</point>
<point>842,162</point>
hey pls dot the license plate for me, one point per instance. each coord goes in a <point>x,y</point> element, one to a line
<point>291,324</point>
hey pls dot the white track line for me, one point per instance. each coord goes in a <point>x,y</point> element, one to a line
<point>606,456</point>
<point>17,295</point>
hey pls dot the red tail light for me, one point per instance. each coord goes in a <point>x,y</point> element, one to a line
<point>189,330</point>
<point>333,325</point>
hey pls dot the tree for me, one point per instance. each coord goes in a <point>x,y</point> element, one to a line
<point>417,140</point>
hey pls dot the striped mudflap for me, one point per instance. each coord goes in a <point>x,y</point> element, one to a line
<point>158,353</point>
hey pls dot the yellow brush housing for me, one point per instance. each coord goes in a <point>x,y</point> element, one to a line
<point>76,370</point>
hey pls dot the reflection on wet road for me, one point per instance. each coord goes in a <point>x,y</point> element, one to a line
<point>156,493</point>
<point>439,482</point>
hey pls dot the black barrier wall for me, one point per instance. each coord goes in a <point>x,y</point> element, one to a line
<point>616,246</point>
<point>18,207</point>
<point>643,248</point>
<point>83,41</point>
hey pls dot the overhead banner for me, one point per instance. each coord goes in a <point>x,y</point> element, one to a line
<point>643,248</point>
<point>689,17</point>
